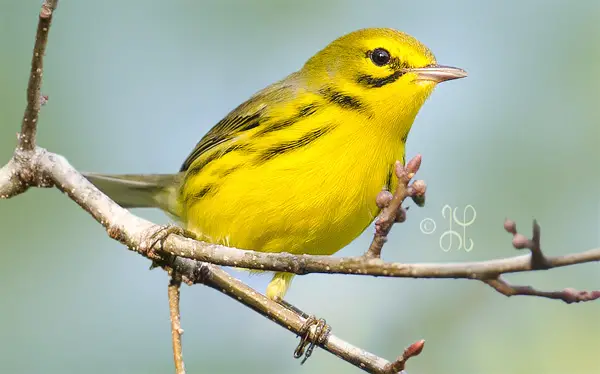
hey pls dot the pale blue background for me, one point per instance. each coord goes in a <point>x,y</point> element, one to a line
<point>134,84</point>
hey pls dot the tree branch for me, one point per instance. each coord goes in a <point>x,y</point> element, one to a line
<point>305,264</point>
<point>194,272</point>
<point>34,101</point>
<point>18,174</point>
<point>568,295</point>
<point>136,233</point>
<point>10,182</point>
<point>176,330</point>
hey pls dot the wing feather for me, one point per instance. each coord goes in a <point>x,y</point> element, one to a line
<point>249,115</point>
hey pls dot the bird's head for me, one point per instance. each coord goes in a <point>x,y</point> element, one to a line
<point>385,69</point>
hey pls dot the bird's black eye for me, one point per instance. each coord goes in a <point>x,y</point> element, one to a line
<point>380,57</point>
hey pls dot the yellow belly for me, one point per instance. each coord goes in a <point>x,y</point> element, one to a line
<point>302,202</point>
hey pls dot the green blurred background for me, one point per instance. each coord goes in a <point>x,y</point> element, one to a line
<point>134,84</point>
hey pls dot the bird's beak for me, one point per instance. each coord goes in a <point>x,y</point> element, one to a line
<point>438,73</point>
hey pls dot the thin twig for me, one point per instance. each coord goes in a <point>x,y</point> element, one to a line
<point>392,204</point>
<point>176,331</point>
<point>520,241</point>
<point>568,295</point>
<point>19,173</point>
<point>34,97</point>
<point>400,364</point>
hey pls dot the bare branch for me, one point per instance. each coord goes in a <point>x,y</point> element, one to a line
<point>10,183</point>
<point>413,350</point>
<point>305,264</point>
<point>34,97</point>
<point>133,231</point>
<point>538,261</point>
<point>520,241</point>
<point>392,204</point>
<point>568,295</point>
<point>176,330</point>
<point>193,272</point>
<point>18,174</point>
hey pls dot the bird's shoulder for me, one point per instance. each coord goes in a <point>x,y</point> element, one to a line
<point>264,108</point>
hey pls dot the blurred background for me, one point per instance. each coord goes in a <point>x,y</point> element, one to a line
<point>134,85</point>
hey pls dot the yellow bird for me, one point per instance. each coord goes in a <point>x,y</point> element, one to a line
<point>298,166</point>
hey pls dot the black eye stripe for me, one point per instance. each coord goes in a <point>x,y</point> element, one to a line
<point>376,82</point>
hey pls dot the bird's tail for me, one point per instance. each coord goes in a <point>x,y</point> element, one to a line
<point>140,190</point>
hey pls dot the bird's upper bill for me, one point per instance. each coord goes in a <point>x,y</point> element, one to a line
<point>438,73</point>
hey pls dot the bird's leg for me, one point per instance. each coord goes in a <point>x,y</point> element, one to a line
<point>292,308</point>
<point>314,331</point>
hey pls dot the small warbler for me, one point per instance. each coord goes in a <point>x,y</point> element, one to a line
<point>298,166</point>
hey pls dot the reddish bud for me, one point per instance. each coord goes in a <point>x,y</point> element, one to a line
<point>400,170</point>
<point>43,99</point>
<point>414,349</point>
<point>401,215</point>
<point>418,188</point>
<point>520,241</point>
<point>510,226</point>
<point>414,164</point>
<point>383,199</point>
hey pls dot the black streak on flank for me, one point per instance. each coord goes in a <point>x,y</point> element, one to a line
<point>224,173</point>
<point>374,82</point>
<point>224,130</point>
<point>292,145</point>
<point>307,110</point>
<point>388,181</point>
<point>205,191</point>
<point>195,169</point>
<point>303,112</point>
<point>341,99</point>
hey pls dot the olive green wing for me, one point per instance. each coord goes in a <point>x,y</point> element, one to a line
<point>249,115</point>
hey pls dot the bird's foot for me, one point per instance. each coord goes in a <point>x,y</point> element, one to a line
<point>314,331</point>
<point>160,235</point>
